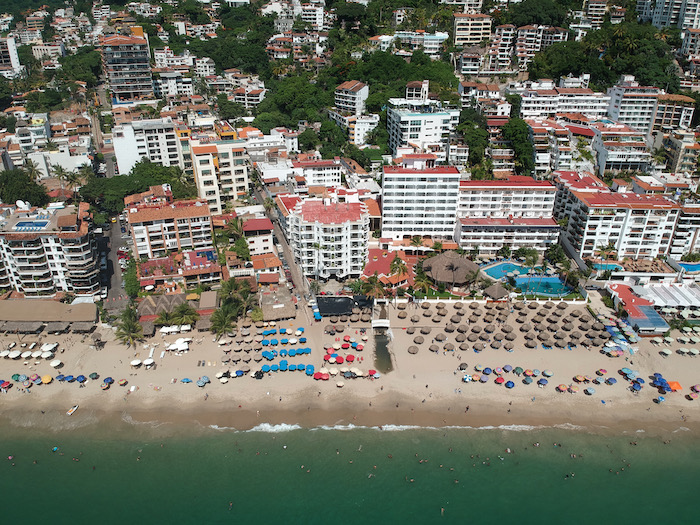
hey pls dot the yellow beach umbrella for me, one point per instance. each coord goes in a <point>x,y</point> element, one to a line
<point>46,379</point>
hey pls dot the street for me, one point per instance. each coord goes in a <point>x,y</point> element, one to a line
<point>113,270</point>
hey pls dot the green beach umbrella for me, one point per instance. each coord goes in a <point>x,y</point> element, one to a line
<point>518,370</point>
<point>94,375</point>
<point>15,377</point>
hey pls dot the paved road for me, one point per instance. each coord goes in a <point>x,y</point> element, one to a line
<point>113,270</point>
<point>301,283</point>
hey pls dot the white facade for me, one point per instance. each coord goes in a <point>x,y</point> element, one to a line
<point>471,29</point>
<point>155,140</point>
<point>204,67</point>
<point>43,252</point>
<point>490,235</point>
<point>350,97</point>
<point>632,104</point>
<point>545,99</point>
<point>358,127</point>
<point>329,239</point>
<point>9,59</point>
<point>220,172</point>
<point>419,202</point>
<point>172,84</point>
<point>619,148</point>
<point>423,123</point>
<point>320,172</point>
<point>514,197</point>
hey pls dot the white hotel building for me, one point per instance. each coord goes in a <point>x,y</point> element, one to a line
<point>517,212</point>
<point>419,202</point>
<point>329,239</point>
<point>154,139</point>
<point>220,172</point>
<point>544,99</point>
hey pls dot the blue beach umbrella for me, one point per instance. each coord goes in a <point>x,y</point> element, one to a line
<point>283,330</point>
<point>239,373</point>
<point>292,368</point>
<point>206,379</point>
<point>265,342</point>
<point>301,367</point>
<point>636,387</point>
<point>69,378</point>
<point>309,372</point>
<point>611,381</point>
<point>292,352</point>
<point>302,339</point>
<point>510,384</point>
<point>22,378</point>
<point>283,366</point>
<point>536,372</point>
<point>310,367</point>
<point>283,353</point>
<point>285,341</point>
<point>487,371</point>
<point>274,342</point>
<point>508,368</point>
<point>275,368</point>
<point>527,380</point>
<point>484,378</point>
<point>108,380</point>
<point>60,377</point>
<point>273,331</point>
<point>301,329</point>
<point>200,383</point>
<point>639,380</point>
<point>542,382</point>
<point>185,380</point>
<point>81,378</point>
<point>266,368</point>
<point>662,399</point>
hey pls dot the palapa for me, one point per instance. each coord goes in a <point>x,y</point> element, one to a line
<point>472,337</point>
<point>519,305</point>
<point>419,339</point>
<point>458,305</point>
<point>562,305</point>
<point>402,315</point>
<point>496,291</point>
<point>401,306</point>
<point>436,319</point>
<point>489,319</point>
<point>440,337</point>
<point>473,318</point>
<point>415,318</point>
<point>530,335</point>
<point>442,312</point>
<point>455,319</point>
<point>425,330</point>
<point>462,328</point>
<point>412,349</point>
<point>484,336</point>
<point>526,327</point>
<point>449,327</point>
<point>507,328</point>
<point>460,338</point>
<point>434,348</point>
<point>532,306</point>
<point>473,305</point>
<point>440,305</point>
<point>478,346</point>
<point>490,328</point>
<point>496,344</point>
<point>427,313</point>
<point>498,337</point>
<point>83,327</point>
<point>425,305</point>
<point>543,336</point>
<point>508,345</point>
<point>560,335</point>
<point>577,313</point>
<point>449,267</point>
<point>464,347</point>
<point>568,327</point>
<point>575,335</point>
<point>549,305</point>
<point>476,328</point>
<point>411,330</point>
<point>511,336</point>
<point>449,347</point>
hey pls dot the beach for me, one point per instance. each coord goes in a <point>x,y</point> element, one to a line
<point>252,450</point>
<point>423,389</point>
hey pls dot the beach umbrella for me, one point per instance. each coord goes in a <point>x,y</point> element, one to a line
<point>472,337</point>
<point>476,329</point>
<point>46,379</point>
<point>425,330</point>
<point>547,373</point>
<point>601,371</point>
<point>661,399</point>
<point>528,380</point>
<point>498,337</point>
<point>464,347</point>
<point>60,377</point>
<point>693,395</point>
<point>440,337</point>
<point>484,336</point>
<point>55,363</point>
<point>530,344</point>
<point>499,380</point>
<point>542,382</point>
<point>478,346</point>
<point>94,375</point>
<point>510,384</point>
<point>412,349</point>
<point>418,339</point>
<point>589,391</point>
<point>573,389</point>
<point>508,345</point>
<point>68,378</point>
<point>81,378</point>
<point>434,348</point>
<point>530,335</point>
<point>490,328</point>
<point>462,328</point>
<point>611,381</point>
<point>496,344</point>
<point>461,338</point>
<point>483,379</point>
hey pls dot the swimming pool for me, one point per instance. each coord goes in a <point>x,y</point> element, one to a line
<point>544,286</point>
<point>607,266</point>
<point>500,270</point>
<point>690,266</point>
<point>21,225</point>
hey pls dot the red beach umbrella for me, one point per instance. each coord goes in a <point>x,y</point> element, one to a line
<point>500,380</point>
<point>345,346</point>
<point>360,348</point>
<point>329,351</point>
<point>346,338</point>
<point>339,360</point>
<point>326,357</point>
<point>350,358</point>
<point>318,375</point>
<point>371,372</point>
<point>325,377</point>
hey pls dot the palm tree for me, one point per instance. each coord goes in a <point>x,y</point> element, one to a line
<point>374,287</point>
<point>164,319</point>
<point>356,286</point>
<point>223,320</point>
<point>85,173</point>
<point>185,314</point>
<point>398,266</point>
<point>544,270</point>
<point>60,173</point>
<point>474,252</point>
<point>73,181</point>
<point>452,267</point>
<point>32,169</point>
<point>437,246</point>
<point>566,265</point>
<point>315,287</point>
<point>472,278</point>
<point>416,241</point>
<point>317,249</point>
<point>234,228</point>
<point>268,204</point>
<point>51,145</point>
<point>129,330</point>
<point>605,251</point>
<point>530,262</point>
<point>422,284</point>
<point>234,289</point>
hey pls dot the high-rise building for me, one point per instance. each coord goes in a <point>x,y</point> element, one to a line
<point>419,202</point>
<point>350,97</point>
<point>220,172</point>
<point>9,59</point>
<point>632,104</point>
<point>126,61</point>
<point>152,139</point>
<point>46,251</point>
<point>471,28</point>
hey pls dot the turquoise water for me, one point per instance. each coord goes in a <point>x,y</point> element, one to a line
<point>689,266</point>
<point>500,270</point>
<point>313,476</point>
<point>544,286</point>
<point>607,266</point>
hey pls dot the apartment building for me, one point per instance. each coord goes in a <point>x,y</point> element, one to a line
<point>33,132</point>
<point>637,226</point>
<point>619,148</point>
<point>595,12</point>
<point>533,39</point>
<point>48,50</point>
<point>419,202</point>
<point>468,6</point>
<point>166,58</point>
<point>258,234</point>
<point>425,124</point>
<point>220,172</point>
<point>515,212</point>
<point>172,83</point>
<point>153,139</point>
<point>350,97</point>
<point>158,229</point>
<point>673,112</point>
<point>632,104</point>
<point>204,67</point>
<point>682,151</point>
<point>357,127</point>
<point>46,251</point>
<point>686,237</point>
<point>545,99</point>
<point>9,59</point>
<point>471,61</point>
<point>329,239</point>
<point>567,182</point>
<point>430,43</point>
<point>126,61</point>
<point>320,172</point>
<point>471,28</point>
<point>552,146</point>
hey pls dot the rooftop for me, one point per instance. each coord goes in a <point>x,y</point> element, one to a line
<point>333,213</point>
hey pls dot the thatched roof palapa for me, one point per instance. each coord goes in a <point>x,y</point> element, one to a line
<point>449,267</point>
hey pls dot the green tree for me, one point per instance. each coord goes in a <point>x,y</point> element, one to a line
<point>229,110</point>
<point>516,132</point>
<point>308,140</point>
<point>129,330</point>
<point>398,266</point>
<point>17,184</point>
<point>132,287</point>
<point>185,313</point>
<point>164,319</point>
<point>223,320</point>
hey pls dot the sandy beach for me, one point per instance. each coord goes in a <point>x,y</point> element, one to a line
<point>424,389</point>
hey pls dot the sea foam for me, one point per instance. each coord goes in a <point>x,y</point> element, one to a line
<point>274,429</point>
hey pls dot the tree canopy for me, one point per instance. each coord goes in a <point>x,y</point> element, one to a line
<point>627,48</point>
<point>17,185</point>
<point>517,133</point>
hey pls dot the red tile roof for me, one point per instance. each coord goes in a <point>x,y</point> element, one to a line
<point>257,225</point>
<point>334,213</point>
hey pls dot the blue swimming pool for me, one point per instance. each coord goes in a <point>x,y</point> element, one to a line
<point>500,270</point>
<point>607,266</point>
<point>22,225</point>
<point>690,266</point>
<point>544,286</point>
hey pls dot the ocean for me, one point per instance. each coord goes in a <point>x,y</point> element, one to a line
<point>285,474</point>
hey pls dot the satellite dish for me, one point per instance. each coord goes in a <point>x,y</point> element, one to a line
<point>20,204</point>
